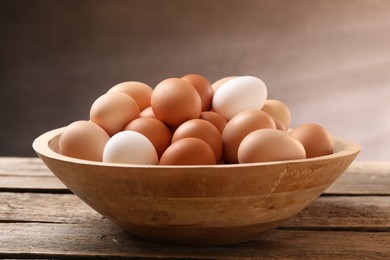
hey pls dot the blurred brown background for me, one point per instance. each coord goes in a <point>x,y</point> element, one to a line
<point>328,60</point>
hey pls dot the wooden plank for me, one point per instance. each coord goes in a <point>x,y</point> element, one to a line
<point>23,166</point>
<point>336,213</point>
<point>345,213</point>
<point>45,207</point>
<point>32,184</point>
<point>363,178</point>
<point>81,240</point>
<point>28,174</point>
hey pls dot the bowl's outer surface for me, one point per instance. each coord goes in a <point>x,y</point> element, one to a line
<point>202,205</point>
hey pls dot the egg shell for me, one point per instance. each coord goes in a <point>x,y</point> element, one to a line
<point>113,111</point>
<point>239,127</point>
<point>216,119</point>
<point>83,140</point>
<point>239,94</point>
<point>188,151</point>
<point>278,109</point>
<point>315,138</point>
<point>279,125</point>
<point>219,82</point>
<point>203,86</point>
<point>130,147</point>
<point>139,91</point>
<point>155,130</point>
<point>266,145</point>
<point>204,130</point>
<point>175,101</point>
<point>147,112</point>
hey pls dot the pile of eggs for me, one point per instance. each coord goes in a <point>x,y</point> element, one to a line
<point>188,121</point>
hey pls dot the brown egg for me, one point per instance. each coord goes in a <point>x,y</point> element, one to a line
<point>147,112</point>
<point>219,82</point>
<point>113,111</point>
<point>240,126</point>
<point>216,119</point>
<point>203,130</point>
<point>155,130</point>
<point>266,145</point>
<point>139,91</point>
<point>279,110</point>
<point>279,125</point>
<point>203,86</point>
<point>175,101</point>
<point>188,151</point>
<point>83,140</point>
<point>315,138</point>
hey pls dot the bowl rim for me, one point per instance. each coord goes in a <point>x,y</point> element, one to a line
<point>42,148</point>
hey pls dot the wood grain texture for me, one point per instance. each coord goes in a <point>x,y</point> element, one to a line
<point>364,178</point>
<point>359,178</point>
<point>28,174</point>
<point>83,240</point>
<point>339,225</point>
<point>329,213</point>
<point>197,205</point>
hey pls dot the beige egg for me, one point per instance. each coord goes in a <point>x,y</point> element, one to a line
<point>83,140</point>
<point>278,109</point>
<point>266,145</point>
<point>240,126</point>
<point>315,138</point>
<point>113,111</point>
<point>139,91</point>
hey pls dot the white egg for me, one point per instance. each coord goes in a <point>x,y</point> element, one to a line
<point>131,148</point>
<point>239,94</point>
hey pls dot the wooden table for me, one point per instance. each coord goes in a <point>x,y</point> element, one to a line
<point>40,218</point>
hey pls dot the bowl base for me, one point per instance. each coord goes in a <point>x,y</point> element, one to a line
<point>200,236</point>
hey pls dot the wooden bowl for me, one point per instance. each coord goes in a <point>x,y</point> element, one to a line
<point>197,205</point>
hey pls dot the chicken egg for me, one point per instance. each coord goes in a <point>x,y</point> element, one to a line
<point>219,82</point>
<point>139,91</point>
<point>315,138</point>
<point>113,111</point>
<point>279,125</point>
<point>155,130</point>
<point>266,145</point>
<point>278,109</point>
<point>203,86</point>
<point>175,101</point>
<point>203,130</point>
<point>83,140</point>
<point>188,151</point>
<point>129,147</point>
<point>240,126</point>
<point>239,94</point>
<point>216,119</point>
<point>147,112</point>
